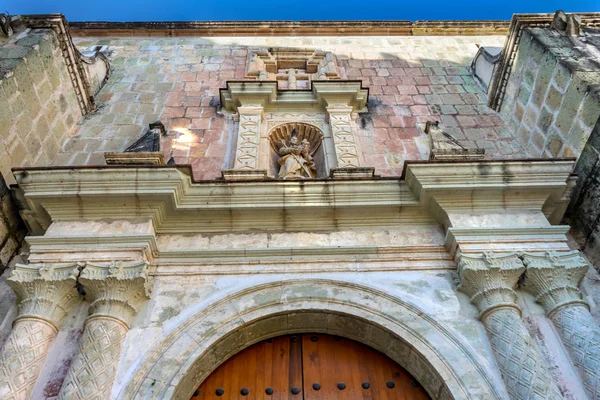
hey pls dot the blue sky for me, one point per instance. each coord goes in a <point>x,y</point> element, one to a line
<point>296,10</point>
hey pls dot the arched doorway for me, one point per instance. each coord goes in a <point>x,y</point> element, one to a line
<point>214,330</point>
<point>309,367</point>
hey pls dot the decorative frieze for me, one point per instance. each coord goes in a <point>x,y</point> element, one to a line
<point>554,279</point>
<point>115,291</point>
<point>489,281</point>
<point>45,293</point>
<point>340,119</point>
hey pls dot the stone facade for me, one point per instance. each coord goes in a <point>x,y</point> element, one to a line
<point>453,264</point>
<point>38,105</point>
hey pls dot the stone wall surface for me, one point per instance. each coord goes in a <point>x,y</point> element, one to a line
<point>176,80</point>
<point>583,213</point>
<point>552,101</point>
<point>12,229</point>
<point>38,106</point>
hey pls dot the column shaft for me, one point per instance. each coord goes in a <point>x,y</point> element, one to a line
<point>581,336</point>
<point>554,279</point>
<point>45,293</point>
<point>521,365</point>
<point>116,291</point>
<point>93,370</point>
<point>22,357</point>
<point>490,281</point>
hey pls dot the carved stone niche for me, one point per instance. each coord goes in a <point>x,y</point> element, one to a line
<point>315,162</point>
<point>292,68</point>
<point>324,116</point>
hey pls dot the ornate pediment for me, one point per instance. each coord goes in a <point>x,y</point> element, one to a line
<point>274,63</point>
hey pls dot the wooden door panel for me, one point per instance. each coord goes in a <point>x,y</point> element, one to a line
<point>266,364</point>
<point>303,360</point>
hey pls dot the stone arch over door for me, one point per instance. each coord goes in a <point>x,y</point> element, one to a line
<point>440,360</point>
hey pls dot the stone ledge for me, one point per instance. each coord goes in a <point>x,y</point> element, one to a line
<point>289,28</point>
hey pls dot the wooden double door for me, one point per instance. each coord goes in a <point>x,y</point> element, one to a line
<point>309,367</point>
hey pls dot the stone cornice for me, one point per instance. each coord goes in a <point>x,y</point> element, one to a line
<point>115,290</point>
<point>176,204</point>
<point>45,291</point>
<point>511,46</point>
<point>554,278</point>
<point>488,185</point>
<point>321,95</point>
<point>289,28</point>
<point>489,280</point>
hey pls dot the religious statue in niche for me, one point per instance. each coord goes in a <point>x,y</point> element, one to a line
<point>295,160</point>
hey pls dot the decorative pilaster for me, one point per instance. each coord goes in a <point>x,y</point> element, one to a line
<point>44,295</point>
<point>554,279</point>
<point>116,292</point>
<point>340,119</point>
<point>246,155</point>
<point>490,281</point>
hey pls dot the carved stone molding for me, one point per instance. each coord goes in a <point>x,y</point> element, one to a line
<point>115,291</point>
<point>44,295</point>
<point>346,151</point>
<point>490,280</point>
<point>247,153</point>
<point>554,279</point>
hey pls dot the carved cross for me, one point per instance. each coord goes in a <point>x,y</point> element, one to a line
<point>292,76</point>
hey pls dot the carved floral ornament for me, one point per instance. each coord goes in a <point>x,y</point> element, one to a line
<point>48,291</point>
<point>489,280</point>
<point>554,278</point>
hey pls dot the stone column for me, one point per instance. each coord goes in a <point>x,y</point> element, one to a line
<point>44,295</point>
<point>115,292</point>
<point>490,281</point>
<point>554,280</point>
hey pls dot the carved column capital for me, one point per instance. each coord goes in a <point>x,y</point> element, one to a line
<point>489,280</point>
<point>554,278</point>
<point>44,291</point>
<point>115,290</point>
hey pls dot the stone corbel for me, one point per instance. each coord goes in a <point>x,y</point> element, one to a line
<point>45,294</point>
<point>489,281</point>
<point>554,279</point>
<point>115,291</point>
